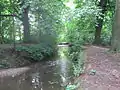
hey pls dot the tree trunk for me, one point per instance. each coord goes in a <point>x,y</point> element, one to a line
<point>116,29</point>
<point>102,5</point>
<point>14,33</point>
<point>20,34</point>
<point>0,29</point>
<point>11,36</point>
<point>1,32</point>
<point>25,20</point>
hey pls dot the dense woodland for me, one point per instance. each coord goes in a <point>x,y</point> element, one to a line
<point>76,21</point>
<point>46,23</point>
<point>32,30</point>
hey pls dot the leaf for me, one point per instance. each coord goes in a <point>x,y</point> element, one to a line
<point>71,87</point>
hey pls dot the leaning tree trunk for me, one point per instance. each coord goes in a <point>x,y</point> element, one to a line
<point>116,29</point>
<point>102,5</point>
<point>25,20</point>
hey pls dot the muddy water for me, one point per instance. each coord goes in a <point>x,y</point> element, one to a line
<point>49,75</point>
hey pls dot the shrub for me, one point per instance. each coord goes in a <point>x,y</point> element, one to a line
<point>36,52</point>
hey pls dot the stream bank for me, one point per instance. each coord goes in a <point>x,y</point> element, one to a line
<point>51,74</point>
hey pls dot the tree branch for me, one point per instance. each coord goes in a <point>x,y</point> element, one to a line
<point>7,15</point>
<point>10,15</point>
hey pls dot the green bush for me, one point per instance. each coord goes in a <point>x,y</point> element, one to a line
<point>36,52</point>
<point>79,63</point>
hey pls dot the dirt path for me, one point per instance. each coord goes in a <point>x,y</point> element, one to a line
<point>107,67</point>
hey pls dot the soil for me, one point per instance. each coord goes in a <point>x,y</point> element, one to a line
<point>106,67</point>
<point>10,59</point>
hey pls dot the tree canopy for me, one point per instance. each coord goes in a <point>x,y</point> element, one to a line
<point>76,21</point>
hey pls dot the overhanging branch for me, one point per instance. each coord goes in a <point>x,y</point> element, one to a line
<point>7,15</point>
<point>10,15</point>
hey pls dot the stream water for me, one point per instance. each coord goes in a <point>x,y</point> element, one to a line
<point>54,74</point>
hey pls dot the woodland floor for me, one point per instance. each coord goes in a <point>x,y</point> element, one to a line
<point>10,59</point>
<point>107,67</point>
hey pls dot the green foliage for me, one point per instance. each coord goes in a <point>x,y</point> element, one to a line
<point>79,23</point>
<point>44,17</point>
<point>79,28</point>
<point>107,29</point>
<point>37,52</point>
<point>53,17</point>
<point>4,65</point>
<point>51,20</point>
<point>78,62</point>
<point>71,87</point>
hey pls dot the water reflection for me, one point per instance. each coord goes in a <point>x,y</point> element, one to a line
<point>51,75</point>
<point>36,82</point>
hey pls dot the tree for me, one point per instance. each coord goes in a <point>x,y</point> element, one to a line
<point>25,19</point>
<point>20,10</point>
<point>99,23</point>
<point>116,29</point>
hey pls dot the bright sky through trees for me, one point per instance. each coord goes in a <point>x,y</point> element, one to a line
<point>70,4</point>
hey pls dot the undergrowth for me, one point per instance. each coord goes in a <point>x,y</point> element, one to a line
<point>78,58</point>
<point>36,52</point>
